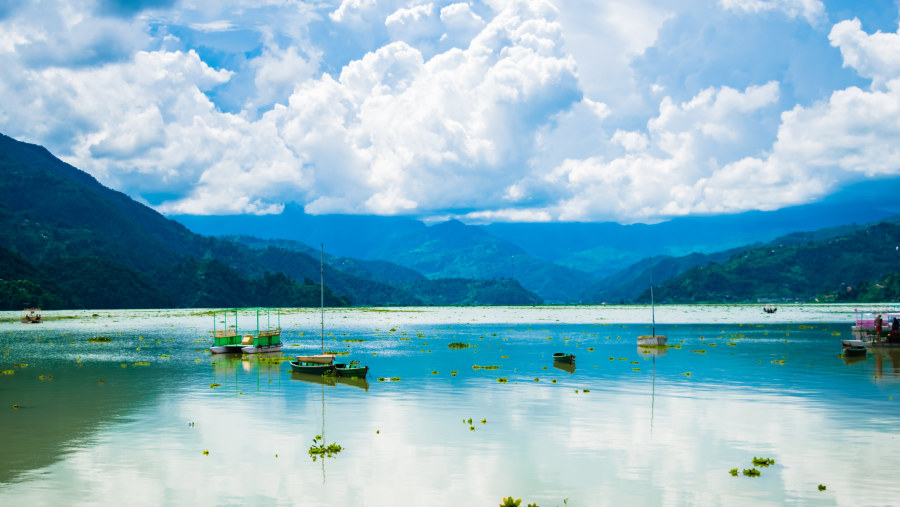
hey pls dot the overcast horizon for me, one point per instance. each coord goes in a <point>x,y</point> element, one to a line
<point>521,110</point>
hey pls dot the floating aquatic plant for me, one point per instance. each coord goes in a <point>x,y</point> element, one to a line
<point>458,345</point>
<point>503,380</point>
<point>46,377</point>
<point>100,339</point>
<point>491,367</point>
<point>206,452</point>
<point>733,472</point>
<point>214,385</point>
<point>510,502</point>
<point>822,487</point>
<point>763,462</point>
<point>751,472</point>
<point>7,372</point>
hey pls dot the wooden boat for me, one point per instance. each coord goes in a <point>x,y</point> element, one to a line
<point>265,340</point>
<point>317,359</point>
<point>347,370</point>
<point>318,364</point>
<point>311,368</point>
<point>231,341</point>
<point>855,350</point>
<point>563,357</point>
<point>652,339</point>
<point>32,316</point>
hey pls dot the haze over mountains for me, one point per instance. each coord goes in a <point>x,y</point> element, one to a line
<point>70,242</point>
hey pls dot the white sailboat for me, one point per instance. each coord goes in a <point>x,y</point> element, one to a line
<point>653,339</point>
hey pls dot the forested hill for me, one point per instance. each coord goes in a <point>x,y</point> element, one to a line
<point>70,242</point>
<point>845,264</point>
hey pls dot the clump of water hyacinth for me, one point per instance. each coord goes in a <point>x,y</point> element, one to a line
<point>458,345</point>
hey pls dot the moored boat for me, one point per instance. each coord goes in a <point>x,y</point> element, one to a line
<point>652,340</point>
<point>855,350</point>
<point>351,370</point>
<point>32,316</point>
<point>563,357</point>
<point>317,359</point>
<point>311,368</point>
<point>231,341</point>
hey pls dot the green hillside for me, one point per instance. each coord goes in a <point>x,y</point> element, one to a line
<point>70,242</point>
<point>824,266</point>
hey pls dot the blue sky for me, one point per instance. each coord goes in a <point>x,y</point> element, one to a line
<point>519,110</point>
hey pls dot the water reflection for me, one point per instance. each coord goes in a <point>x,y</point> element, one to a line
<point>566,367</point>
<point>731,392</point>
<point>887,354</point>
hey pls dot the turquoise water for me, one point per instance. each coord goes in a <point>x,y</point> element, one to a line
<point>128,421</point>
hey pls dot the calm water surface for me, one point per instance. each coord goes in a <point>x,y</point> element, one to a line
<point>128,421</point>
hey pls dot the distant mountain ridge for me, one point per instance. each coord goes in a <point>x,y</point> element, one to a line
<point>561,262</point>
<point>84,245</point>
<point>447,250</point>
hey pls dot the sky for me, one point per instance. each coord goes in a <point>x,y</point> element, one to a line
<point>485,111</point>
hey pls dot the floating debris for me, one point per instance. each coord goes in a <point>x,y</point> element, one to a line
<point>214,385</point>
<point>458,345</point>
<point>503,380</point>
<point>491,367</point>
<point>822,487</point>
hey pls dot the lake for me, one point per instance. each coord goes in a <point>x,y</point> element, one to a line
<point>150,417</point>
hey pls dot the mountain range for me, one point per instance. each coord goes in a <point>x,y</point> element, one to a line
<point>68,241</point>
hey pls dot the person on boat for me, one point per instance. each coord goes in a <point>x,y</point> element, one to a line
<point>895,330</point>
<point>878,322</point>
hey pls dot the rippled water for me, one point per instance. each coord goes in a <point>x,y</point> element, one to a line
<point>128,421</point>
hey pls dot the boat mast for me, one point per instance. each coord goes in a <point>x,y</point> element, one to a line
<point>652,305</point>
<point>322,288</point>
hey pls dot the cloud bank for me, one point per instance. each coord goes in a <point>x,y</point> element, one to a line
<point>520,110</point>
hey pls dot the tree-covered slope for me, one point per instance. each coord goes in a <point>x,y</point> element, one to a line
<point>792,269</point>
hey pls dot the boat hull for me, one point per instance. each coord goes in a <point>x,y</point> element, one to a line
<point>263,348</point>
<point>227,349</point>
<point>346,371</point>
<point>310,368</point>
<point>652,340</point>
<point>561,357</point>
<point>856,350</point>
